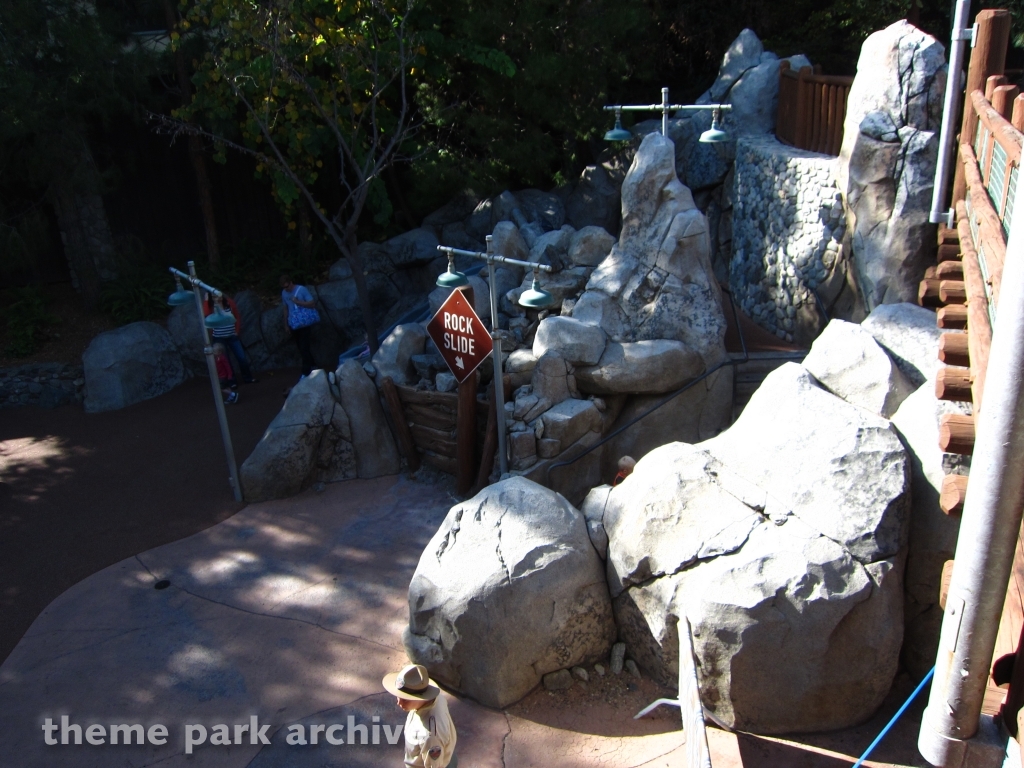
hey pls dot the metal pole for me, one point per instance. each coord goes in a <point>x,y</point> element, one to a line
<point>218,398</point>
<point>950,112</point>
<point>664,111</point>
<point>499,384</point>
<point>988,534</point>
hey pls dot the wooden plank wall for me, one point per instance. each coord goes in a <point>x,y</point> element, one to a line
<point>812,108</point>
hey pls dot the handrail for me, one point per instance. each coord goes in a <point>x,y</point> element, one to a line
<point>1002,129</point>
<point>668,398</point>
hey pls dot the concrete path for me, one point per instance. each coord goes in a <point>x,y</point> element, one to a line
<point>291,612</point>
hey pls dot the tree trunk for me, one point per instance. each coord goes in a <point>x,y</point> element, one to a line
<point>195,148</point>
<point>84,228</point>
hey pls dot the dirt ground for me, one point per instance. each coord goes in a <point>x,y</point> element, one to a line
<point>79,492</point>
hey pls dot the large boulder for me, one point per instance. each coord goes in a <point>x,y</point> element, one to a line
<point>508,589</point>
<point>850,364</point>
<point>933,534</point>
<point>589,246</point>
<point>129,364</point>
<point>309,440</point>
<point>186,330</point>
<point>413,248</point>
<point>376,452</point>
<point>641,367</point>
<point>838,467</point>
<point>394,357</point>
<point>911,337</point>
<point>282,351</point>
<point>782,542</point>
<point>887,161</point>
<point>576,342</point>
<point>595,200</point>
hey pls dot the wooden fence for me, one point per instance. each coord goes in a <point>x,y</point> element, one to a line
<point>812,107</point>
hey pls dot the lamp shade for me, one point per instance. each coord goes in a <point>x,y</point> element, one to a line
<point>219,319</point>
<point>713,135</point>
<point>618,133</point>
<point>536,297</point>
<point>180,298</point>
<point>451,279</point>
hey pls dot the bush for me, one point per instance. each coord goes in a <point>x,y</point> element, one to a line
<point>139,293</point>
<point>27,320</point>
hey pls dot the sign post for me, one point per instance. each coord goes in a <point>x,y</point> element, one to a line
<point>464,343</point>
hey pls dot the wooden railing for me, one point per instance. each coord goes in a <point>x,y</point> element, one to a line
<point>812,107</point>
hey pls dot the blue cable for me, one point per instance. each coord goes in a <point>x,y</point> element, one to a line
<point>895,717</point>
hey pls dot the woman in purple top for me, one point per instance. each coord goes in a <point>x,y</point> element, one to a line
<point>300,317</point>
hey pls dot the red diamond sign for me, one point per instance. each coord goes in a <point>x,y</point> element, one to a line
<point>460,336</point>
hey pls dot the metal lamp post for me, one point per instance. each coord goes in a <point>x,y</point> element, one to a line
<point>714,135</point>
<point>534,298</point>
<point>219,318</point>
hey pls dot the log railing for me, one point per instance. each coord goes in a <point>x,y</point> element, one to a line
<point>812,108</point>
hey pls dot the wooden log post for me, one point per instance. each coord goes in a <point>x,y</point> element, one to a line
<point>406,444</point>
<point>928,292</point>
<point>952,292</point>
<point>1002,99</point>
<point>979,339</point>
<point>953,383</point>
<point>490,446</point>
<point>948,252</point>
<point>950,270</point>
<point>988,57</point>
<point>947,576</point>
<point>956,433</point>
<point>951,497</point>
<point>952,318</point>
<point>954,349</point>
<point>465,428</point>
<point>991,83</point>
<point>1017,116</point>
<point>803,107</point>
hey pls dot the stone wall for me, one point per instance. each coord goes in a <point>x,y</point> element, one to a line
<point>788,225</point>
<point>46,385</point>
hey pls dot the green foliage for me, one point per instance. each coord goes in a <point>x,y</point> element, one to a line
<point>139,293</point>
<point>27,317</point>
<point>513,92</point>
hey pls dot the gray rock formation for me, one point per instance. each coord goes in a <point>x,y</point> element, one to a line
<point>576,342</point>
<point>659,273</point>
<point>933,534</point>
<point>309,440</point>
<point>509,589</point>
<point>853,471</point>
<point>129,364</point>
<point>589,246</point>
<point>641,367</point>
<point>593,512</point>
<point>376,453</point>
<point>394,357</point>
<point>910,336</point>
<point>186,330</point>
<point>851,365</point>
<point>887,162</point>
<point>782,542</point>
<point>595,201</point>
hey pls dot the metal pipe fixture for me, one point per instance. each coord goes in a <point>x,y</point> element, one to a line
<point>950,111</point>
<point>211,366</point>
<point>952,732</point>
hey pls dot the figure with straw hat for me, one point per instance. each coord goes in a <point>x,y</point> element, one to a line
<point>429,730</point>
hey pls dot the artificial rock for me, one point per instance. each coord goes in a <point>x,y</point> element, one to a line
<point>129,364</point>
<point>508,589</point>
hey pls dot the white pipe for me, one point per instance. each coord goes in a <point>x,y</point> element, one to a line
<point>499,384</point>
<point>950,112</point>
<point>988,534</point>
<point>218,396</point>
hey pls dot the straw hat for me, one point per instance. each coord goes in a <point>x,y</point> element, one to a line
<point>411,682</point>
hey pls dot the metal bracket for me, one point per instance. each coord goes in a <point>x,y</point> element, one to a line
<point>969,33</point>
